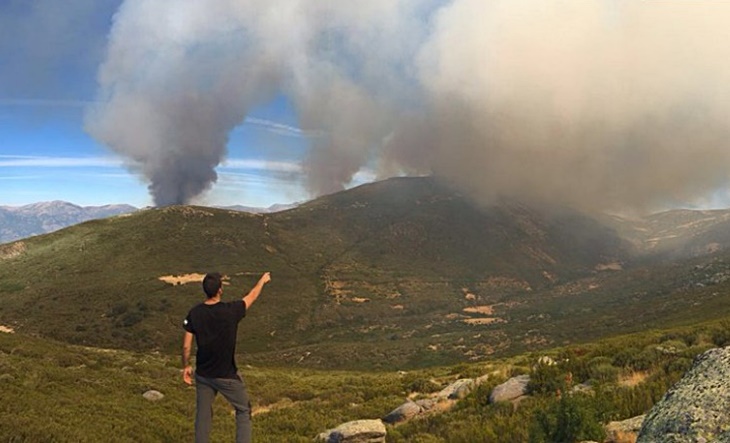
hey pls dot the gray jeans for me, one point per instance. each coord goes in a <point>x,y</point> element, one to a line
<point>234,390</point>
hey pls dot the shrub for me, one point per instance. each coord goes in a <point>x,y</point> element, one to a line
<point>721,336</point>
<point>546,379</point>
<point>572,418</point>
<point>416,383</point>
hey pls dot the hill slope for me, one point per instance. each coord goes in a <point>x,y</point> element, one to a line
<point>401,272</point>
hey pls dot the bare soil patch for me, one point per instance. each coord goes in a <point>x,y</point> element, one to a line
<point>187,278</point>
<point>12,250</point>
<point>484,310</point>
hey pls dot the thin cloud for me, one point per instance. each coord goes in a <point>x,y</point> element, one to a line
<point>262,165</point>
<point>282,129</point>
<point>21,177</point>
<point>43,103</point>
<point>27,161</point>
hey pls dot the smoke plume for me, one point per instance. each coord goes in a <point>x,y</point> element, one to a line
<point>603,104</point>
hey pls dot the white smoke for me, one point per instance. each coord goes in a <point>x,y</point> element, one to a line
<point>598,103</point>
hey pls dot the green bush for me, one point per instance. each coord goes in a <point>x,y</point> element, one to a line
<point>602,371</point>
<point>545,379</point>
<point>570,419</point>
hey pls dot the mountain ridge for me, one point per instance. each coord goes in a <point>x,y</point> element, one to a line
<point>18,222</point>
<point>406,272</point>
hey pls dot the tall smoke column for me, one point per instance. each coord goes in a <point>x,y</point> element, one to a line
<point>605,104</point>
<point>177,79</point>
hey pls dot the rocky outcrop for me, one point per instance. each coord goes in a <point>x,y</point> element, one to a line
<point>697,408</point>
<point>511,389</point>
<point>358,431</point>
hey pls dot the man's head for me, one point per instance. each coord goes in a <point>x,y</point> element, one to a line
<point>212,283</point>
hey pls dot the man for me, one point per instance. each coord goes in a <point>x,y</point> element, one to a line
<point>215,325</point>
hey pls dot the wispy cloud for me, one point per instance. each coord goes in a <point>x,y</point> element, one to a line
<point>21,177</point>
<point>282,129</point>
<point>39,161</point>
<point>43,103</point>
<point>30,161</point>
<point>262,165</point>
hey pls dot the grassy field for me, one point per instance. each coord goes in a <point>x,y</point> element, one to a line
<point>53,391</point>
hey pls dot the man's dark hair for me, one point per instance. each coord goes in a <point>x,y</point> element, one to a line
<point>212,283</point>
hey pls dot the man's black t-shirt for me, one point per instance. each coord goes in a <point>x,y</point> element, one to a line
<point>215,327</point>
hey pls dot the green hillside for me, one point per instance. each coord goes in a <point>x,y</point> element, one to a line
<point>400,273</point>
<point>53,391</point>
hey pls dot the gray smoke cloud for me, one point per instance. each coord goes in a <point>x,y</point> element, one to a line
<point>602,104</point>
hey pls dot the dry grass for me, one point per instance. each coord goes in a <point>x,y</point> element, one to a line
<point>632,379</point>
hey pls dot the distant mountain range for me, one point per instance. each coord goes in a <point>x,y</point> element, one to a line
<point>18,222</point>
<point>40,218</point>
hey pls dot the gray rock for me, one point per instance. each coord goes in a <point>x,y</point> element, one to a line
<point>584,388</point>
<point>511,389</point>
<point>624,431</point>
<point>697,407</point>
<point>358,431</point>
<point>458,389</point>
<point>404,412</point>
<point>153,395</point>
<point>426,404</point>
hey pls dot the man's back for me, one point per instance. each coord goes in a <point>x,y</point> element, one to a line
<point>215,327</point>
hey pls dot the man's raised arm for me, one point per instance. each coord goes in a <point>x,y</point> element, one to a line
<point>253,294</point>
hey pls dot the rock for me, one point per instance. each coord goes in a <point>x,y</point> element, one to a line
<point>426,404</point>
<point>584,388</point>
<point>404,412</point>
<point>510,390</point>
<point>624,431</point>
<point>358,431</point>
<point>481,379</point>
<point>695,409</point>
<point>153,395</point>
<point>458,389</point>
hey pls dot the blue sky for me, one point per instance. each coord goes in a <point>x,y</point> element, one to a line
<point>46,155</point>
<point>48,79</point>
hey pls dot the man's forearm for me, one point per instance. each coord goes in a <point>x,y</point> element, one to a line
<point>254,293</point>
<point>187,347</point>
<point>186,357</point>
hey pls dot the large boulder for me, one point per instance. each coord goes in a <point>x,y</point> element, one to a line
<point>511,389</point>
<point>624,431</point>
<point>404,412</point>
<point>458,389</point>
<point>358,431</point>
<point>697,408</point>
